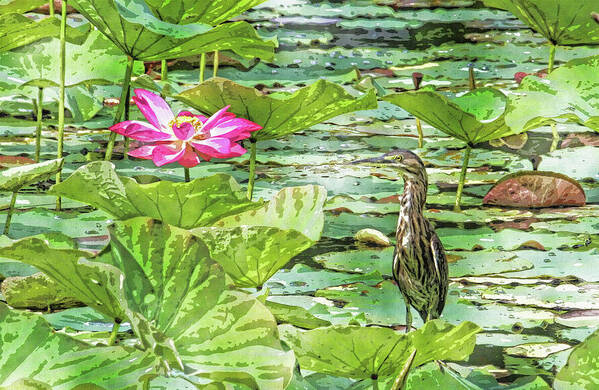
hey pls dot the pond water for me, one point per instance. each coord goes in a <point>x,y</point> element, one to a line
<point>528,277</point>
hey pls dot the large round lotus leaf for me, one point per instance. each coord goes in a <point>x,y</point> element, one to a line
<point>536,189</point>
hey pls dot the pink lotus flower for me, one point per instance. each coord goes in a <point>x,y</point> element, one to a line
<point>185,138</point>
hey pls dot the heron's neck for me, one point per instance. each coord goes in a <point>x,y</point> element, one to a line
<point>413,198</point>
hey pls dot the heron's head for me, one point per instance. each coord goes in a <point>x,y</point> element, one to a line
<point>407,163</point>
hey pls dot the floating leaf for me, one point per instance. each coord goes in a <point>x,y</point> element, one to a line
<point>200,202</point>
<point>560,23</point>
<point>536,189</point>
<point>475,117</point>
<point>279,117</point>
<point>567,93</point>
<point>295,315</point>
<point>13,179</point>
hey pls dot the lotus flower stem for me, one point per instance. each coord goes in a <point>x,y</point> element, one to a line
<point>38,131</point>
<point>126,118</point>
<point>11,209</point>
<point>471,78</point>
<point>187,175</point>
<point>551,58</point>
<point>121,109</point>
<point>215,64</point>
<point>252,169</point>
<point>63,32</point>
<point>458,198</point>
<point>555,141</point>
<point>114,332</point>
<point>403,374</point>
<point>51,7</point>
<point>202,67</point>
<point>164,71</point>
<point>417,80</point>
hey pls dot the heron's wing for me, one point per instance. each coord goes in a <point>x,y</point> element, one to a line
<point>440,262</point>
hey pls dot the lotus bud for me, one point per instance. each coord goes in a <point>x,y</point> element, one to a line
<point>417,80</point>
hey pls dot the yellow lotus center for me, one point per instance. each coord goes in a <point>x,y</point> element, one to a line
<point>195,122</point>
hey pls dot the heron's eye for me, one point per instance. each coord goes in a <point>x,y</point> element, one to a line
<point>398,157</point>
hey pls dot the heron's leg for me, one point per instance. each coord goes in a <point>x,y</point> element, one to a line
<point>408,318</point>
<point>408,313</point>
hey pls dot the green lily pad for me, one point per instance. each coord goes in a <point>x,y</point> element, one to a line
<point>13,179</point>
<point>559,23</point>
<point>295,315</point>
<point>366,352</point>
<point>475,117</point>
<point>461,263</point>
<point>200,202</point>
<point>297,208</point>
<point>302,279</point>
<point>278,117</point>
<point>82,319</point>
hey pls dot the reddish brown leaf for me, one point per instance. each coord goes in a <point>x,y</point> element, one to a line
<point>14,161</point>
<point>531,189</point>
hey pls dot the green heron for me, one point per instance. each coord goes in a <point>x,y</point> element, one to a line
<point>419,262</point>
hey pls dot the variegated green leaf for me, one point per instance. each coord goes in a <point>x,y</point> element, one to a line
<point>582,369</point>
<point>197,203</point>
<point>95,284</point>
<point>161,280</point>
<point>32,352</point>
<point>253,245</point>
<point>570,93</point>
<point>252,254</point>
<point>297,208</point>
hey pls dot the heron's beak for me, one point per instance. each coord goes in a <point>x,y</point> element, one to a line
<point>370,161</point>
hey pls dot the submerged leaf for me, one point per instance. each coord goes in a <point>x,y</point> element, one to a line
<point>278,117</point>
